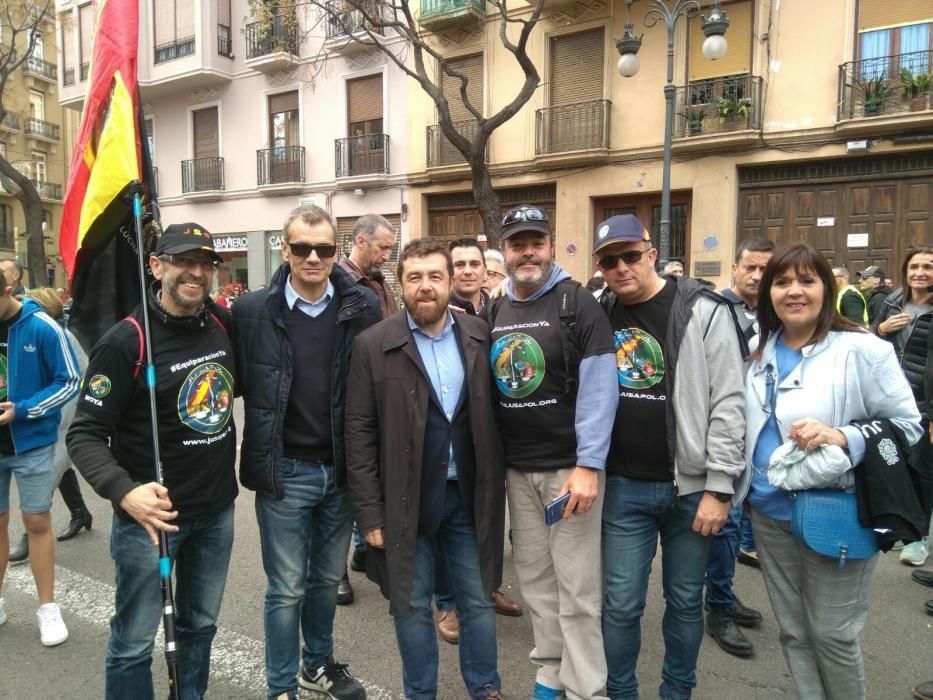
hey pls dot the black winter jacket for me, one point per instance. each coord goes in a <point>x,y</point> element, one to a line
<point>913,354</point>
<point>264,372</point>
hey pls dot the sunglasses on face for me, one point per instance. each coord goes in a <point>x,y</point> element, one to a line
<point>629,257</point>
<point>302,250</point>
<point>188,263</point>
<point>524,214</point>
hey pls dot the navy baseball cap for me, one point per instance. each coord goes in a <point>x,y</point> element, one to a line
<point>622,228</point>
<point>181,238</point>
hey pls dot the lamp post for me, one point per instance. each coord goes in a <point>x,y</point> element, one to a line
<point>714,47</point>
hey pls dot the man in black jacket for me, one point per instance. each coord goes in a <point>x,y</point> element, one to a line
<point>871,284</point>
<point>293,342</point>
<point>110,442</point>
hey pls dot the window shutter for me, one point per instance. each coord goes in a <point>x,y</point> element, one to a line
<point>364,99</point>
<point>738,58</point>
<point>184,19</point>
<point>223,12</point>
<point>283,102</point>
<point>577,67</point>
<point>86,29</point>
<point>69,53</point>
<point>472,68</point>
<point>206,133</point>
<point>164,22</point>
<point>875,14</point>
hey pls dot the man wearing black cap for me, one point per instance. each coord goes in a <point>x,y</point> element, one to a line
<point>110,442</point>
<point>554,370</point>
<point>676,457</point>
<point>871,284</point>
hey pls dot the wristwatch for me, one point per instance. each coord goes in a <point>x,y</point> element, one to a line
<point>720,496</point>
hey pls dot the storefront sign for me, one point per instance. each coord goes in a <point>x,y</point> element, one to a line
<point>275,241</point>
<point>230,244</point>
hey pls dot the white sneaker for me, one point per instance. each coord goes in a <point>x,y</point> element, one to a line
<point>52,628</point>
<point>2,612</point>
<point>915,554</point>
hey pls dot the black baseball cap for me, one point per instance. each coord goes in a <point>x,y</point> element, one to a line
<point>872,271</point>
<point>182,238</point>
<point>525,218</point>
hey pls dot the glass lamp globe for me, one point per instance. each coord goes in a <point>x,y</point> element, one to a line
<point>628,65</point>
<point>715,47</point>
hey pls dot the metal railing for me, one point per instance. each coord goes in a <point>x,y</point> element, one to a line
<point>886,85</point>
<point>38,66</point>
<point>47,190</point>
<point>362,155</point>
<point>202,174</point>
<point>174,49</point>
<point>43,129</point>
<point>278,34</point>
<point>11,122</point>
<point>85,69</point>
<point>718,105</point>
<point>224,41</point>
<point>575,127</point>
<point>68,76</point>
<point>441,151</point>
<point>283,164</point>
<point>436,8</point>
<point>344,19</point>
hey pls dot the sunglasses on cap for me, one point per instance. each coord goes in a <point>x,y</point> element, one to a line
<point>189,263</point>
<point>524,214</point>
<point>629,257</point>
<point>302,250</point>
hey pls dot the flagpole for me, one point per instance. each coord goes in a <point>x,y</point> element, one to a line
<point>165,561</point>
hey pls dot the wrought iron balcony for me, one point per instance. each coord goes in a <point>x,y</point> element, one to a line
<point>85,68</point>
<point>439,148</point>
<point>344,19</point>
<point>446,14</point>
<point>575,127</point>
<point>280,34</point>
<point>362,155</point>
<point>68,76</point>
<point>280,165</point>
<point>174,49</point>
<point>43,129</point>
<point>202,174</point>
<point>224,41</point>
<point>44,69</point>
<point>11,121</point>
<point>718,105</point>
<point>886,85</point>
<point>47,190</point>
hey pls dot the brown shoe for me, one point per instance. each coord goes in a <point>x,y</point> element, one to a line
<point>505,605</point>
<point>448,625</point>
<point>494,695</point>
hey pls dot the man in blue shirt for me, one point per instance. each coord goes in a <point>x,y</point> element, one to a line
<point>426,471</point>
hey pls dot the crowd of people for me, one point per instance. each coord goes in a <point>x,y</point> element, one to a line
<point>642,408</point>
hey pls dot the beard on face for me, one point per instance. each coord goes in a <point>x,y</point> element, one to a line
<point>530,279</point>
<point>172,287</point>
<point>426,315</point>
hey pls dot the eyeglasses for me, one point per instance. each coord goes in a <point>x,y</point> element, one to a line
<point>524,214</point>
<point>495,274</point>
<point>188,263</point>
<point>324,251</point>
<point>629,257</point>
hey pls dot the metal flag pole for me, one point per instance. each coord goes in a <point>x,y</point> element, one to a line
<point>165,561</point>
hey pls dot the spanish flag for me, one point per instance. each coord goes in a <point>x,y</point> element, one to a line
<point>98,234</point>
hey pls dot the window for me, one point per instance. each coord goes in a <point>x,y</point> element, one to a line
<point>85,36</point>
<point>38,50</point>
<point>39,165</point>
<point>68,41</point>
<point>173,27</point>
<point>6,218</point>
<point>283,120</point>
<point>364,106</point>
<point>48,221</point>
<point>577,67</point>
<point>472,68</point>
<point>150,139</point>
<point>36,105</point>
<point>206,133</point>
<point>894,36</point>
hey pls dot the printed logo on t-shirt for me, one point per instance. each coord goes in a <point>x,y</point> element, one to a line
<point>518,365</point>
<point>205,400</point>
<point>3,372</point>
<point>99,385</point>
<point>639,359</point>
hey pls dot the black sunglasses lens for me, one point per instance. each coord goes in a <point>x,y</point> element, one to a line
<point>630,257</point>
<point>609,262</point>
<point>325,251</point>
<point>303,250</point>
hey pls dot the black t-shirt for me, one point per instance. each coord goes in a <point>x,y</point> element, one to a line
<point>639,436</point>
<point>527,359</point>
<point>6,436</point>
<point>194,400</point>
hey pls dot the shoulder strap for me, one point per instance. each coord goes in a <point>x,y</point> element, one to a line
<point>219,322</point>
<point>740,334</point>
<point>139,332</point>
<point>567,312</point>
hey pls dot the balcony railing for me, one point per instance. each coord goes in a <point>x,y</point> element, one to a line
<point>443,14</point>
<point>47,190</point>
<point>281,165</point>
<point>43,129</point>
<point>576,127</point>
<point>85,68</point>
<point>202,174</point>
<point>68,76</point>
<point>441,151</point>
<point>174,49</point>
<point>886,85</point>
<point>344,19</point>
<point>224,41</point>
<point>37,66</point>
<point>717,105</point>
<point>11,122</point>
<point>278,34</point>
<point>362,155</point>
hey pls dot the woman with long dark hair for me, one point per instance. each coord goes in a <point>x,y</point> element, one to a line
<point>906,321</point>
<point>813,374</point>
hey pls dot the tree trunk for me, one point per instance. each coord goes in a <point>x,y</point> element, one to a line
<point>35,246</point>
<point>487,200</point>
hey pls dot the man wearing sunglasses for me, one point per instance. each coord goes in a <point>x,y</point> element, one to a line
<point>676,450</point>
<point>110,443</point>
<point>555,377</point>
<point>293,343</point>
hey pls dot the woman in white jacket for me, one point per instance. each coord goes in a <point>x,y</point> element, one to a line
<point>813,373</point>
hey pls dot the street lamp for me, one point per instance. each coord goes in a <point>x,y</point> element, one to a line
<point>714,47</point>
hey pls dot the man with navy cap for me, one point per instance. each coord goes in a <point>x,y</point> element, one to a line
<point>676,456</point>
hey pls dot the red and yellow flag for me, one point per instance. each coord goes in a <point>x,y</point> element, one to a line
<point>97,239</point>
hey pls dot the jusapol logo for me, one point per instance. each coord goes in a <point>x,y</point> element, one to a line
<point>518,365</point>
<point>205,400</point>
<point>639,359</point>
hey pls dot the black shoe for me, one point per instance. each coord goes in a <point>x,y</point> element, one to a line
<point>748,559</point>
<point>358,560</point>
<point>79,519</point>
<point>929,605</point>
<point>20,552</point>
<point>921,576</point>
<point>745,617</point>
<point>344,591</point>
<point>720,625</point>
<point>334,680</point>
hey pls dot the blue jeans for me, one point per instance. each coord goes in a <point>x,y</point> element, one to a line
<point>455,544</point>
<point>442,597</point>
<point>746,538</point>
<point>304,537</point>
<point>721,568</point>
<point>200,552</point>
<point>634,513</point>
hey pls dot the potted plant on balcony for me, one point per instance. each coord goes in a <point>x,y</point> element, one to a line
<point>693,119</point>
<point>916,89</point>
<point>874,93</point>
<point>733,109</point>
